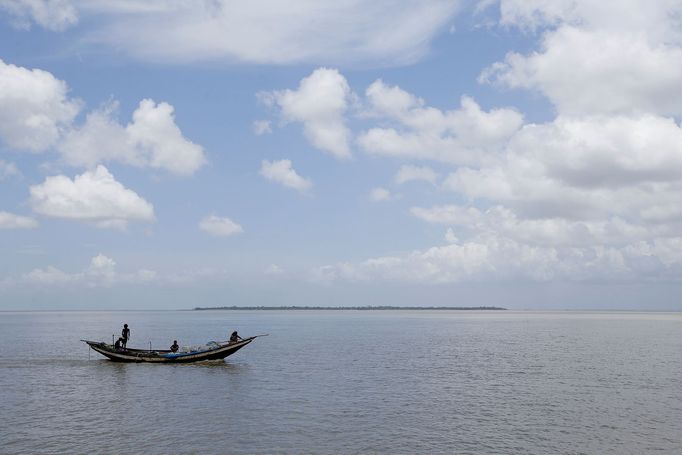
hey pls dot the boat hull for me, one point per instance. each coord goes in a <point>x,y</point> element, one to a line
<point>140,355</point>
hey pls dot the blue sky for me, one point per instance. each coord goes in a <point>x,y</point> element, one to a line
<point>159,154</point>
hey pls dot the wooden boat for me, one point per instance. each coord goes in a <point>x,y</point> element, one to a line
<point>214,352</point>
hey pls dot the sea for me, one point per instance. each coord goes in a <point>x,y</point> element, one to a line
<point>346,382</point>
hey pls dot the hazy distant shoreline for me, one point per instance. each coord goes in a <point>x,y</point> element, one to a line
<point>383,307</point>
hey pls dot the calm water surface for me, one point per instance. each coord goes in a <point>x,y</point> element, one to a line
<point>332,382</point>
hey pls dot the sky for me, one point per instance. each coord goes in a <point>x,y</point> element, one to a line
<point>162,154</point>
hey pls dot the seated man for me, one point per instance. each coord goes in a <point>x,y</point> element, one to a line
<point>235,337</point>
<point>118,344</point>
<point>175,346</point>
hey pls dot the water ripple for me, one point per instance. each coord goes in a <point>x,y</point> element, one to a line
<point>348,382</point>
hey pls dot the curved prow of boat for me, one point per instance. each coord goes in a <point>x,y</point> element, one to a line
<point>220,351</point>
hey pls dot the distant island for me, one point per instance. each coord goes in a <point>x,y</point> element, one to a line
<point>361,308</point>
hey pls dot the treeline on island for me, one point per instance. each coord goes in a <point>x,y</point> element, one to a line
<point>382,307</point>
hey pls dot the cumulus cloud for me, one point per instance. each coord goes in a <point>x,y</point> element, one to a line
<point>100,139</point>
<point>596,193</point>
<point>12,221</point>
<point>633,64</point>
<point>34,108</point>
<point>498,258</point>
<point>36,115</point>
<point>283,173</point>
<point>496,245</point>
<point>410,129</point>
<point>591,195</point>
<point>152,139</point>
<point>50,275</point>
<point>446,264</point>
<point>319,104</point>
<point>382,32</point>
<point>154,131</point>
<point>94,196</point>
<point>379,195</point>
<point>588,195</point>
<point>585,168</point>
<point>219,226</point>
<point>101,272</point>
<point>408,173</point>
<point>624,74</point>
<point>464,136</point>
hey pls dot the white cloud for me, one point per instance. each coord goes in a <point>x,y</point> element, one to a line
<point>101,272</point>
<point>8,170</point>
<point>102,267</point>
<point>50,276</point>
<point>586,168</point>
<point>408,173</point>
<point>12,221</point>
<point>152,139</point>
<point>473,261</point>
<point>100,139</point>
<point>34,108</point>
<point>610,151</point>
<point>154,130</point>
<point>94,196</point>
<point>656,20</point>
<point>219,226</point>
<point>412,129</point>
<point>623,73</point>
<point>283,173</point>
<point>490,257</point>
<point>320,104</point>
<point>379,195</point>
<point>604,151</point>
<point>53,15</point>
<point>624,56</point>
<point>36,115</point>
<point>261,127</point>
<point>579,198</point>
<point>590,195</point>
<point>382,32</point>
<point>468,135</point>
<point>499,220</point>
<point>102,264</point>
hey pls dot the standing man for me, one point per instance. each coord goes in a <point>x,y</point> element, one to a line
<point>125,334</point>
